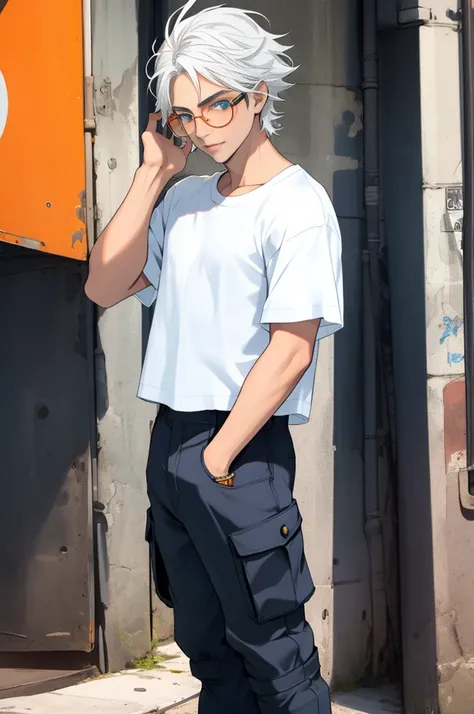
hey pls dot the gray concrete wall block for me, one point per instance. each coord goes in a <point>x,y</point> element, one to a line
<point>124,421</point>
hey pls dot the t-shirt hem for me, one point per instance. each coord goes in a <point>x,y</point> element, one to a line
<point>329,313</point>
<point>147,296</point>
<point>298,410</point>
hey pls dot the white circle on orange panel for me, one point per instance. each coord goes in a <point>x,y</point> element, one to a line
<point>3,103</point>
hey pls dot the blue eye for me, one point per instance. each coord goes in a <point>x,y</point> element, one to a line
<point>221,105</point>
<point>186,118</point>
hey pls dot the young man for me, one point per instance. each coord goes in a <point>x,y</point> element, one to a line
<point>244,268</point>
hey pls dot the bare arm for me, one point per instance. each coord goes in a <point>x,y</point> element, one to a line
<point>272,378</point>
<point>119,256</point>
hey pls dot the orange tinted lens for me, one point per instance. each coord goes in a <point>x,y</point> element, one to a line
<point>218,114</point>
<point>176,125</point>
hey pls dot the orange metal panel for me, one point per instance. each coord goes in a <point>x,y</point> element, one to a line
<point>42,162</point>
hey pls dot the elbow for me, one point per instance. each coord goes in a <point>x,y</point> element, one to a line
<point>95,295</point>
<point>294,363</point>
<point>301,360</point>
<point>298,357</point>
<point>293,356</point>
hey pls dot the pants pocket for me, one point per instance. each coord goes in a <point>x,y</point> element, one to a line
<point>273,564</point>
<point>160,576</point>
<point>250,467</point>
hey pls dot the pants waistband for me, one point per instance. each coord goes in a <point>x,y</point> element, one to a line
<point>211,417</point>
<point>207,416</point>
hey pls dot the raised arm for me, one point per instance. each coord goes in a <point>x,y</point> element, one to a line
<point>119,256</point>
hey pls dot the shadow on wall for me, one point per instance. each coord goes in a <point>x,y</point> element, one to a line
<point>352,612</point>
<point>353,628</point>
<point>403,219</point>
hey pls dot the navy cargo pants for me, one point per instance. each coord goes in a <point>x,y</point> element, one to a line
<point>230,561</point>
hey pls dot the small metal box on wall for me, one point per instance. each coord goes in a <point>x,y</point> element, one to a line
<point>42,158</point>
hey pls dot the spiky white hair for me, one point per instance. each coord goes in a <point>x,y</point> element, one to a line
<point>229,48</point>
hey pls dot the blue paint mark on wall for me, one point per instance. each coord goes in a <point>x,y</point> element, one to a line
<point>455,358</point>
<point>452,326</point>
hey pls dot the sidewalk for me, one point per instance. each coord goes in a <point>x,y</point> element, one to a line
<point>169,688</point>
<point>381,701</point>
<point>130,692</point>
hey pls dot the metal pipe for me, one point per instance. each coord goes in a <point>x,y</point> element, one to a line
<point>99,590</point>
<point>373,524</point>
<point>468,225</point>
<point>90,230</point>
<point>371,312</point>
<point>87,35</point>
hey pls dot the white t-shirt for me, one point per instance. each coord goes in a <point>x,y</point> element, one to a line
<point>221,270</point>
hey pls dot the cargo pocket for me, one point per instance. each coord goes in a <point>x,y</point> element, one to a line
<point>160,576</point>
<point>273,564</point>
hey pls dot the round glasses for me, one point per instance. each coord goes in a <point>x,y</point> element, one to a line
<point>217,115</point>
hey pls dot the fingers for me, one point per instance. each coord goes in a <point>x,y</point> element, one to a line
<point>152,119</point>
<point>187,148</point>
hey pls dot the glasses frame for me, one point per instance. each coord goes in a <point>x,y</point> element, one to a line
<point>233,103</point>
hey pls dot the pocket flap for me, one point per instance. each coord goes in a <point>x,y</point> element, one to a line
<point>271,533</point>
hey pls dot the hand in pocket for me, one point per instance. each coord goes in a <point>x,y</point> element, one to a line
<point>220,474</point>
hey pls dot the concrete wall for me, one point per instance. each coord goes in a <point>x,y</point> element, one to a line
<point>124,421</point>
<point>453,536</point>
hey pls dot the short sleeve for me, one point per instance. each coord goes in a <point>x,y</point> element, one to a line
<point>304,277</point>
<point>156,234</point>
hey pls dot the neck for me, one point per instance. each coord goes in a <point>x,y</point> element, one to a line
<point>255,162</point>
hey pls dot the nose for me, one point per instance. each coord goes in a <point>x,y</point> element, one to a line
<point>202,129</point>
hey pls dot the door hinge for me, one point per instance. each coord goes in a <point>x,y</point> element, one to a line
<point>89,117</point>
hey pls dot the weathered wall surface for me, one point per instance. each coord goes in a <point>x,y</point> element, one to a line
<point>124,421</point>
<point>453,537</point>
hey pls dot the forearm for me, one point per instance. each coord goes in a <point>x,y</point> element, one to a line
<point>268,384</point>
<point>120,253</point>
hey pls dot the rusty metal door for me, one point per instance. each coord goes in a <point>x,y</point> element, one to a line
<point>46,352</point>
<point>46,405</point>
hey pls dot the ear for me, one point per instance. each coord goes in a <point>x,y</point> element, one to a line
<point>260,99</point>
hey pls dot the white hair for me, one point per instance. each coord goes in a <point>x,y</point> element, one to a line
<point>227,47</point>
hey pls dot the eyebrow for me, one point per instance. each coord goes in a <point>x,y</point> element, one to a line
<point>204,101</point>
